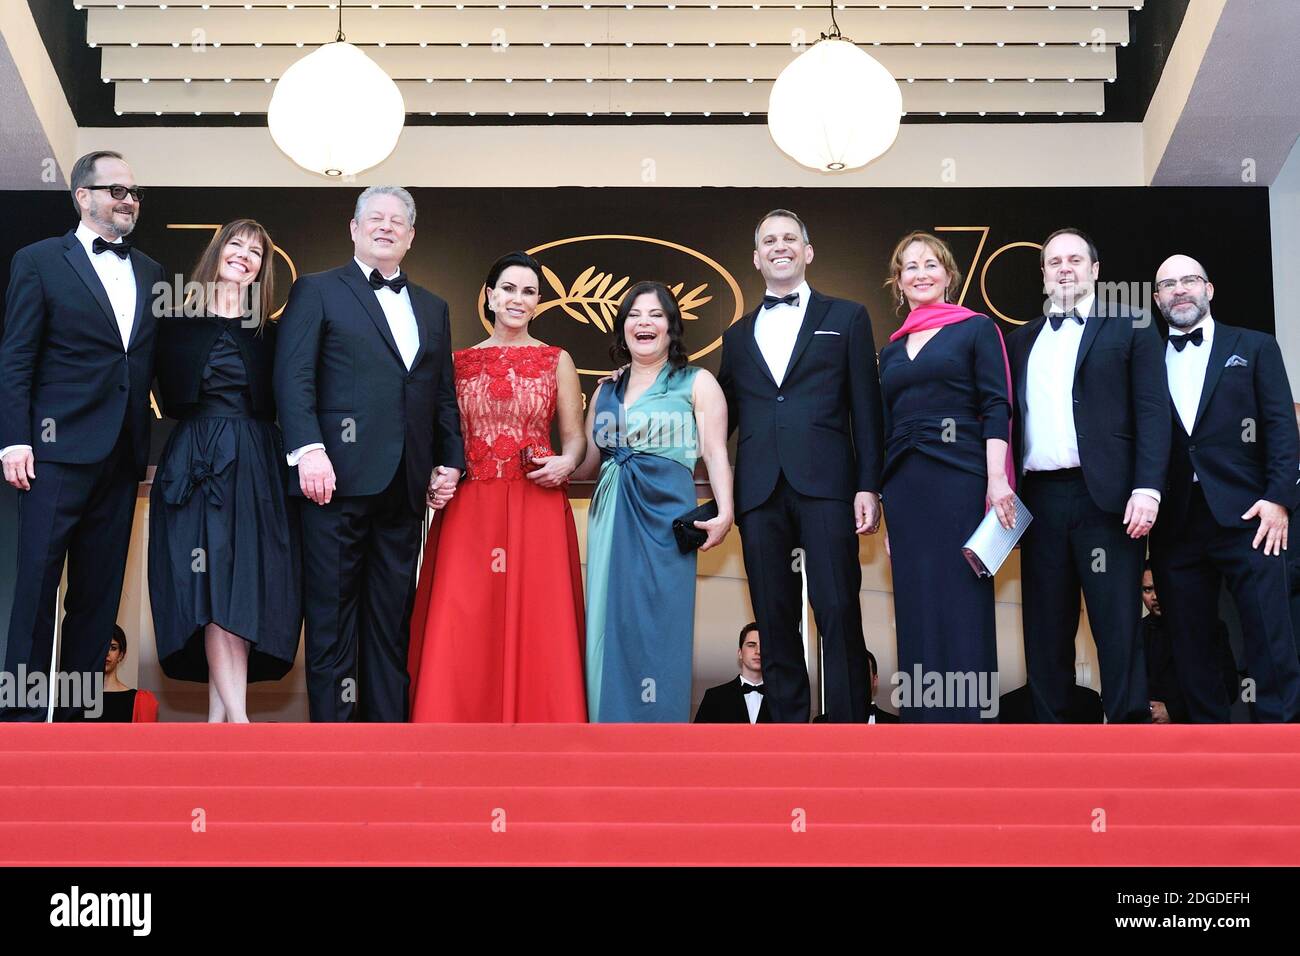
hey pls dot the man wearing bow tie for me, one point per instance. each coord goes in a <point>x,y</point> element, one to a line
<point>741,700</point>
<point>363,382</point>
<point>803,389</point>
<point>1091,446</point>
<point>76,361</point>
<point>1232,486</point>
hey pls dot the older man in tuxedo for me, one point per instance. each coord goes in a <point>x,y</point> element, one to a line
<point>803,389</point>
<point>76,361</point>
<point>1091,441</point>
<point>363,381</point>
<point>1232,487</point>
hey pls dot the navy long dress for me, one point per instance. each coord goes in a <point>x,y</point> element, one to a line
<point>940,407</point>
<point>223,543</point>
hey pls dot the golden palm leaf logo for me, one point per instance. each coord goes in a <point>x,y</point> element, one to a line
<point>593,297</point>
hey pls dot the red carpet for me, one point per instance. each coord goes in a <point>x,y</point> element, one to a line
<point>721,795</point>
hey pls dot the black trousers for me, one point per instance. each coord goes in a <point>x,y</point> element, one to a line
<point>1072,544</point>
<point>81,513</point>
<point>1189,562</point>
<point>786,529</point>
<point>359,562</point>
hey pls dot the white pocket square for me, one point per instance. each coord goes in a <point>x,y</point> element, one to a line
<point>825,332</point>
<point>1234,361</point>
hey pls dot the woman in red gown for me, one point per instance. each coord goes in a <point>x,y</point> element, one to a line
<point>496,635</point>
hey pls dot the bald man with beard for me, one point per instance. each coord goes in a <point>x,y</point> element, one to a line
<point>1231,490</point>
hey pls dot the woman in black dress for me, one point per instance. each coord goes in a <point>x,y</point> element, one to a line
<point>946,392</point>
<point>224,576</point>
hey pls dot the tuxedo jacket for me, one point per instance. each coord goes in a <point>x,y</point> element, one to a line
<point>1121,403</point>
<point>725,704</point>
<point>340,380</point>
<point>1243,445</point>
<point>822,426</point>
<point>62,360</point>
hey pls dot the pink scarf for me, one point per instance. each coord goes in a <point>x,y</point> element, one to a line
<point>938,315</point>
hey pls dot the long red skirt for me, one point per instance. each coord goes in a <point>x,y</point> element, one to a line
<point>497,629</point>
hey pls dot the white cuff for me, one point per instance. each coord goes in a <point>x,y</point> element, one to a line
<point>1149,492</point>
<point>9,448</point>
<point>296,455</point>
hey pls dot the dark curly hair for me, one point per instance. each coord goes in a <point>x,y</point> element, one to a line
<point>618,350</point>
<point>501,265</point>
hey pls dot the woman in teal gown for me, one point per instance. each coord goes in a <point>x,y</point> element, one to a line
<point>646,431</point>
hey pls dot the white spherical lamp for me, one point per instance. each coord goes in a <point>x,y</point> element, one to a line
<point>336,111</point>
<point>834,107</point>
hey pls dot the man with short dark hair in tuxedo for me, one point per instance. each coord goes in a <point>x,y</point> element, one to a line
<point>802,385</point>
<point>363,381</point>
<point>1232,486</point>
<point>1092,444</point>
<point>740,700</point>
<point>76,362</point>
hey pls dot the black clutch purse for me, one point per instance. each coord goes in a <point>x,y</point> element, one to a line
<point>689,537</point>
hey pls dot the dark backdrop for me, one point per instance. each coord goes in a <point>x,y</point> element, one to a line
<point>703,239</point>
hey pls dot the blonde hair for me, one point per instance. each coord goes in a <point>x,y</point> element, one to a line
<point>941,252</point>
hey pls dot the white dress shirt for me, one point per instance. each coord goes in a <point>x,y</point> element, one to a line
<point>118,278</point>
<point>753,702</point>
<point>1051,442</point>
<point>400,314</point>
<point>776,329</point>
<point>1187,373</point>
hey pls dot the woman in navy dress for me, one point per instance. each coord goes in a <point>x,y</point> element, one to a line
<point>224,578</point>
<point>946,388</point>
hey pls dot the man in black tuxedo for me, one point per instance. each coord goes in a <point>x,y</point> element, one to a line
<point>740,700</point>
<point>76,362</point>
<point>802,386</point>
<point>367,402</point>
<point>1232,486</point>
<point>1091,442</point>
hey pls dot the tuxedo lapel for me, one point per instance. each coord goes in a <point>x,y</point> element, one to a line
<point>818,306</point>
<point>755,353</point>
<point>80,262</point>
<point>1225,339</point>
<point>1091,329</point>
<point>360,287</point>
<point>423,322</point>
<point>1021,370</point>
<point>143,295</point>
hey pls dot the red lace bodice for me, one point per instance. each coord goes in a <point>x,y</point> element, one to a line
<point>507,401</point>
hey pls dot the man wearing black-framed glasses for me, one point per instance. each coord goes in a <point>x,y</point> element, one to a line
<point>76,361</point>
<point>1232,487</point>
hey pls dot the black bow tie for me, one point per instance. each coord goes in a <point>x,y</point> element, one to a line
<point>397,283</point>
<point>771,300</point>
<point>1179,342</point>
<point>1056,318</point>
<point>751,689</point>
<point>120,249</point>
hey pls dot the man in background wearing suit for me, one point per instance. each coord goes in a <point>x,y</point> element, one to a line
<point>802,385</point>
<point>1091,444</point>
<point>1232,486</point>
<point>363,381</point>
<point>874,714</point>
<point>76,363</point>
<point>740,700</point>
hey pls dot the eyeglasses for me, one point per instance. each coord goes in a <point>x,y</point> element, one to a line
<point>119,192</point>
<point>1190,282</point>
